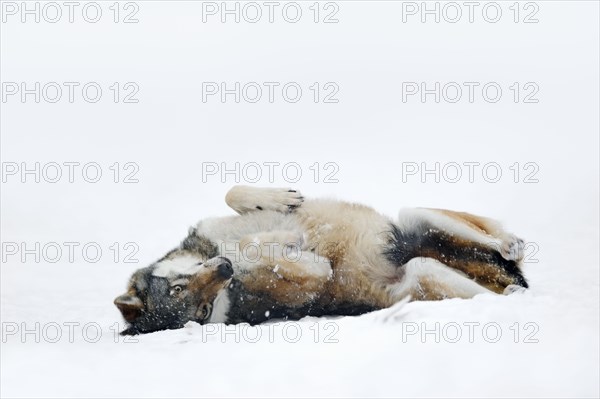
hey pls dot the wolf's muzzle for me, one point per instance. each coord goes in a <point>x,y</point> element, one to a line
<point>225,269</point>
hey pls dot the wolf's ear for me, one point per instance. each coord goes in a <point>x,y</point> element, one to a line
<point>130,306</point>
<point>199,244</point>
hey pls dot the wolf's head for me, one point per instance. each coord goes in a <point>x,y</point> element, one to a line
<point>180,287</point>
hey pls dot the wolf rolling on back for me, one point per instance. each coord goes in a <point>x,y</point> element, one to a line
<point>284,257</point>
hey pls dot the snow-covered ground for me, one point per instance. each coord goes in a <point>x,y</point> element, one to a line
<point>541,343</point>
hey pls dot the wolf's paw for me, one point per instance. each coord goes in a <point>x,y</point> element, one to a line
<point>279,199</point>
<point>512,248</point>
<point>245,199</point>
<point>513,288</point>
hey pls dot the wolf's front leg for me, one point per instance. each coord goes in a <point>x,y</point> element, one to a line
<point>285,272</point>
<point>244,199</point>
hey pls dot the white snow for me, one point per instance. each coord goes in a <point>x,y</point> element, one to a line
<point>549,335</point>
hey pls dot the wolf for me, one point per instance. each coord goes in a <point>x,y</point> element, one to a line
<point>286,257</point>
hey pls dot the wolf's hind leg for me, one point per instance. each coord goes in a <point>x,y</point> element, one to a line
<point>509,245</point>
<point>244,199</point>
<point>467,227</point>
<point>428,279</point>
<point>457,243</point>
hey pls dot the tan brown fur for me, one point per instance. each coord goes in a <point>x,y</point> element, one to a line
<point>347,234</point>
<point>342,232</point>
<point>287,285</point>
<point>350,259</point>
<point>206,286</point>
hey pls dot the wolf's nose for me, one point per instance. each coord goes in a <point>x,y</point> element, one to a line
<point>224,259</point>
<point>225,269</point>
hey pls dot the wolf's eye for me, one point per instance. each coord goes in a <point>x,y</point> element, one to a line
<point>177,289</point>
